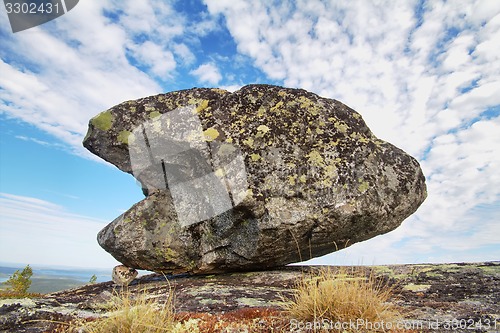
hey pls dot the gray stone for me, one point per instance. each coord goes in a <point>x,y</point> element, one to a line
<point>254,179</point>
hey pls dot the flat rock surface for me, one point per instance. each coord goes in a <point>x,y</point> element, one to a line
<point>436,297</point>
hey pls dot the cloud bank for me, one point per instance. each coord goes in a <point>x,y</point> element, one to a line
<point>423,74</point>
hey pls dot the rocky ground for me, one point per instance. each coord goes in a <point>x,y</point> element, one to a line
<point>433,298</point>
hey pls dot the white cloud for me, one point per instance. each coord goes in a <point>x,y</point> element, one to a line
<point>207,73</point>
<point>231,88</point>
<point>41,232</point>
<point>421,83</point>
<point>161,61</point>
<point>184,53</point>
<point>57,76</point>
<point>42,142</point>
<point>50,83</point>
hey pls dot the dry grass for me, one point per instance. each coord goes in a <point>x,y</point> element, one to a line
<point>15,294</point>
<point>129,314</point>
<point>342,296</point>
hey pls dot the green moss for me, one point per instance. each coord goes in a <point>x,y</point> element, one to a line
<point>383,270</point>
<point>103,121</point>
<point>123,136</point>
<point>168,254</point>
<point>490,270</point>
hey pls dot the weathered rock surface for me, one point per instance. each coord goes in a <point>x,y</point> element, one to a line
<point>254,179</point>
<point>462,297</point>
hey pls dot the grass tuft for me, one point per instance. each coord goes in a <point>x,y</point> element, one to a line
<point>342,296</point>
<point>130,314</point>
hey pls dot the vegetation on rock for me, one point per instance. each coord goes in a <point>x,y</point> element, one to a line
<point>130,314</point>
<point>342,296</point>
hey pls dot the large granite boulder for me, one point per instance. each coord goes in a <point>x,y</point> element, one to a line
<point>254,179</point>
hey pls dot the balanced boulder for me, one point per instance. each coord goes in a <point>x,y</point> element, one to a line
<point>258,178</point>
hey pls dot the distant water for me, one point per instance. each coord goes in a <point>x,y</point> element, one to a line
<point>46,280</point>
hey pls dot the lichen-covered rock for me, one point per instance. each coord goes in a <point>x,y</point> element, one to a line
<point>258,178</point>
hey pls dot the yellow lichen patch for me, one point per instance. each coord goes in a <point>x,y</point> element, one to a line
<point>219,173</point>
<point>229,140</point>
<point>210,134</point>
<point>363,139</point>
<point>255,157</point>
<point>304,102</point>
<point>331,171</point>
<point>263,128</point>
<point>123,136</point>
<point>363,186</point>
<point>193,100</point>
<point>248,142</point>
<point>103,121</point>
<point>358,136</point>
<point>202,106</point>
<point>261,111</point>
<point>327,182</point>
<point>341,126</point>
<point>154,114</point>
<point>319,131</point>
<point>282,93</point>
<point>291,179</point>
<point>277,106</point>
<point>303,178</point>
<point>219,91</point>
<point>226,149</point>
<point>356,115</point>
<point>315,157</point>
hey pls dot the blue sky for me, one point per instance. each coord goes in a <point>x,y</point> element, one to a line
<point>423,74</point>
